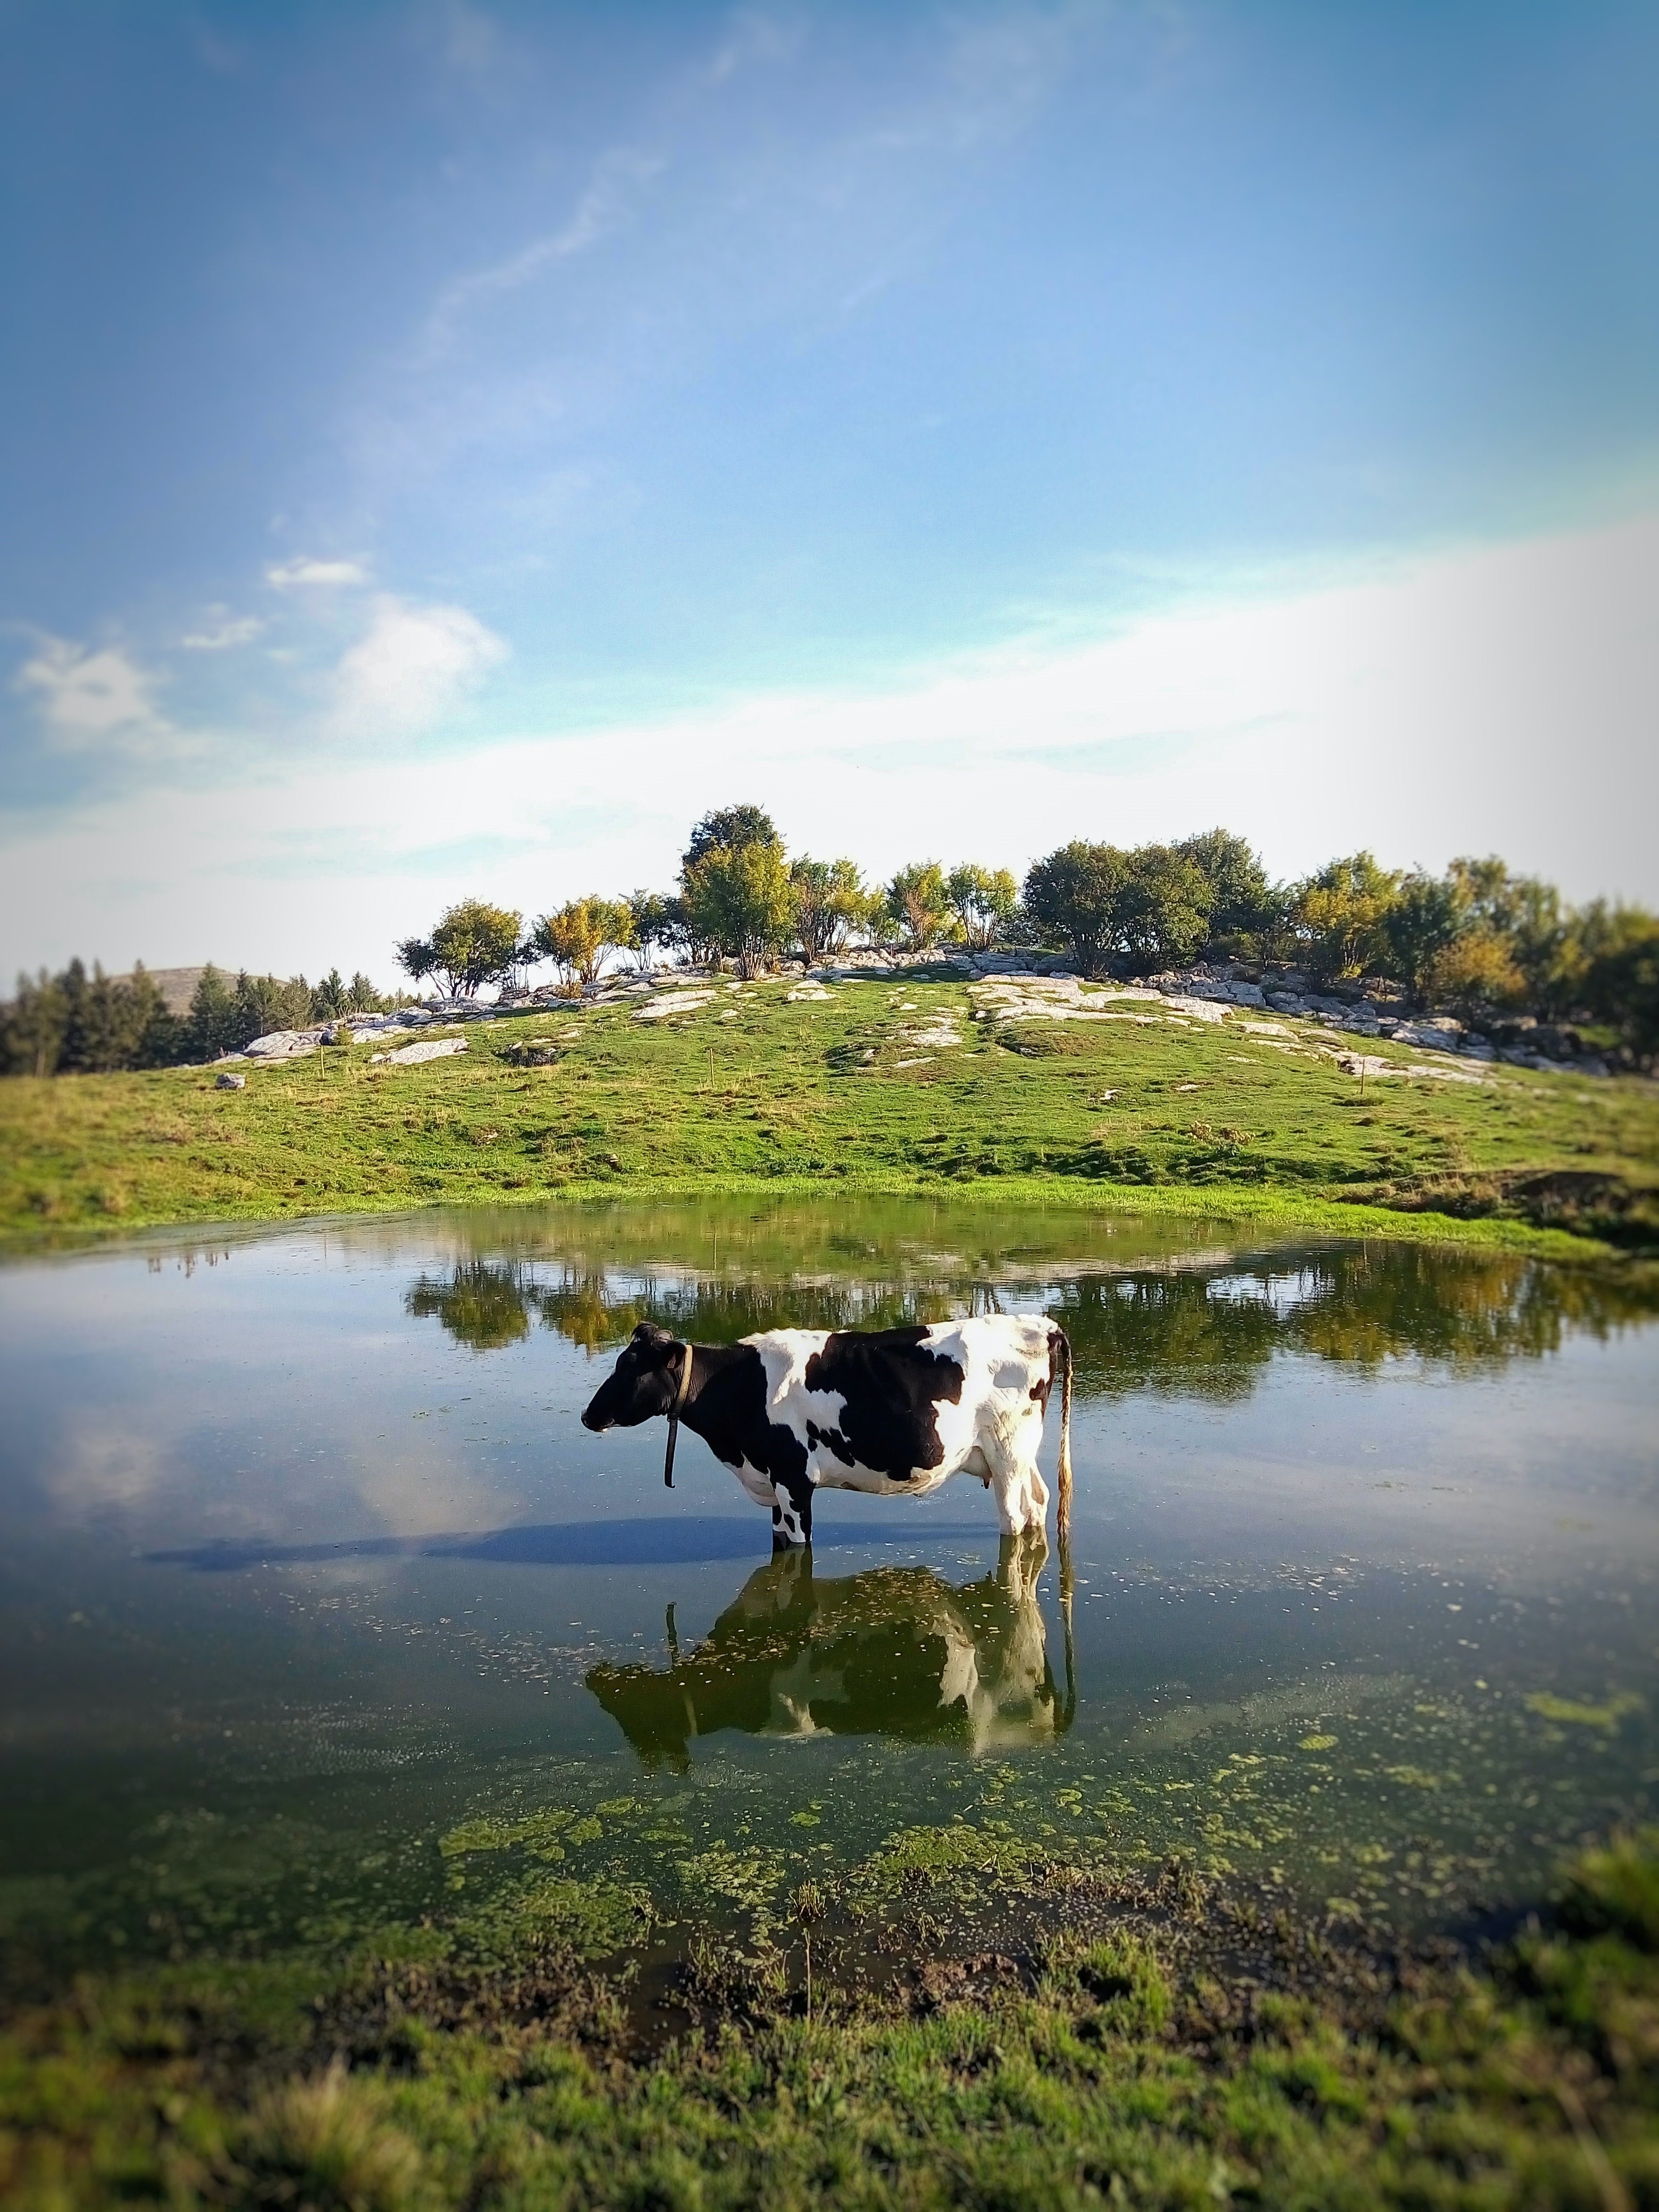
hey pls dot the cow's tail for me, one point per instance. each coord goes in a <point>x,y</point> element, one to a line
<point>1060,1353</point>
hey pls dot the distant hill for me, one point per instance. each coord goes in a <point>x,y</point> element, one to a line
<point>178,985</point>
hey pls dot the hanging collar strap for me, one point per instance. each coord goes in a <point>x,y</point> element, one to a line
<point>680,1397</point>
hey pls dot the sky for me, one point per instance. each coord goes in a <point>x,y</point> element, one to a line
<point>446,449</point>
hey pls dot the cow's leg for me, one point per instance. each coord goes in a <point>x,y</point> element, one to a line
<point>1008,1488</point>
<point>791,1511</point>
<point>1021,1496</point>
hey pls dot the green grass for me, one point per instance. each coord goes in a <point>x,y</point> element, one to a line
<point>1142,2039</point>
<point>816,1096</point>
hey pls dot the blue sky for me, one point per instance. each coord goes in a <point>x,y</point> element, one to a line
<point>447,447</point>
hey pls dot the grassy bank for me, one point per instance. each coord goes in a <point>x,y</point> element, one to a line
<point>959,2022</point>
<point>880,1086</point>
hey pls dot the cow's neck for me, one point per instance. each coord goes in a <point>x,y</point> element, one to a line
<point>705,1401</point>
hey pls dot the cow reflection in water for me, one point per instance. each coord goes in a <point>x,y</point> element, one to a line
<point>893,1652</point>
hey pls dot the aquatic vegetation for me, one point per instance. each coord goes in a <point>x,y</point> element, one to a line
<point>535,1832</point>
<point>1579,1713</point>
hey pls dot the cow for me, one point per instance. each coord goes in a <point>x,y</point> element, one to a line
<point>891,1412</point>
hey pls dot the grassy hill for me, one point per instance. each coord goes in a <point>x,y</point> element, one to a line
<point>891,1082</point>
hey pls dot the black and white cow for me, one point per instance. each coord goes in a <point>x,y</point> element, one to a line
<point>892,1411</point>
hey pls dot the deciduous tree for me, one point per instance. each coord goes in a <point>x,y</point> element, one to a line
<point>726,829</point>
<point>581,933</point>
<point>919,901</point>
<point>474,943</point>
<point>983,901</point>
<point>739,898</point>
<point>1072,896</point>
<point>1340,915</point>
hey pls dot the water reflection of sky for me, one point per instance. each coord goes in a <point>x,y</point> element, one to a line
<point>315,1389</point>
<point>317,1505</point>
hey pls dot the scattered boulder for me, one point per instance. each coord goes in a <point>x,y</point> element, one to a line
<point>666,1003</point>
<point>227,1081</point>
<point>411,1055</point>
<point>284,1044</point>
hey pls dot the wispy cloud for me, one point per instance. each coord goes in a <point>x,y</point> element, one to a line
<point>223,631</point>
<point>607,201</point>
<point>414,664</point>
<point>96,699</point>
<point>755,36</point>
<point>291,575</point>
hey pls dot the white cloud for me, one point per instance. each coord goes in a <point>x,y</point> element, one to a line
<point>285,575</point>
<point>411,668</point>
<point>1495,699</point>
<point>223,633</point>
<point>95,699</point>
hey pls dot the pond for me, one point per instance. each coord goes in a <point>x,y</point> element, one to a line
<point>321,1612</point>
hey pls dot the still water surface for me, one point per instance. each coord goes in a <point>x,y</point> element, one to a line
<point>312,1587</point>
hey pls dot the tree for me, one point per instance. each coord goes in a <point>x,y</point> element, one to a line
<point>1339,916</point>
<point>739,898</point>
<point>1546,944</point>
<point>210,1024</point>
<point>32,1027</point>
<point>728,830</point>
<point>983,901</point>
<point>576,938</point>
<point>1476,970</point>
<point>830,902</point>
<point>1161,915</point>
<point>1621,980</point>
<point>415,956</point>
<point>473,943</point>
<point>653,925</point>
<point>1422,922</point>
<point>1238,898</point>
<point>920,903</point>
<point>1485,892</point>
<point>113,1022</point>
<point>73,1023</point>
<point>1072,898</point>
<point>264,1003</point>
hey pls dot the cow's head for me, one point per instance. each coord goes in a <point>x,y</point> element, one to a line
<point>644,1382</point>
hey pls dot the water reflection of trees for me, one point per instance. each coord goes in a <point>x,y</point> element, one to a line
<point>480,1305</point>
<point>893,1652</point>
<point>1199,1332</point>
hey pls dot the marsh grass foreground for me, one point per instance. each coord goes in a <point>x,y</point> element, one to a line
<point>1107,2035</point>
<point>883,1085</point>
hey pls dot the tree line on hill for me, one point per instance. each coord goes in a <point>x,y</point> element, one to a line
<point>1476,941</point>
<point>77,1024</point>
